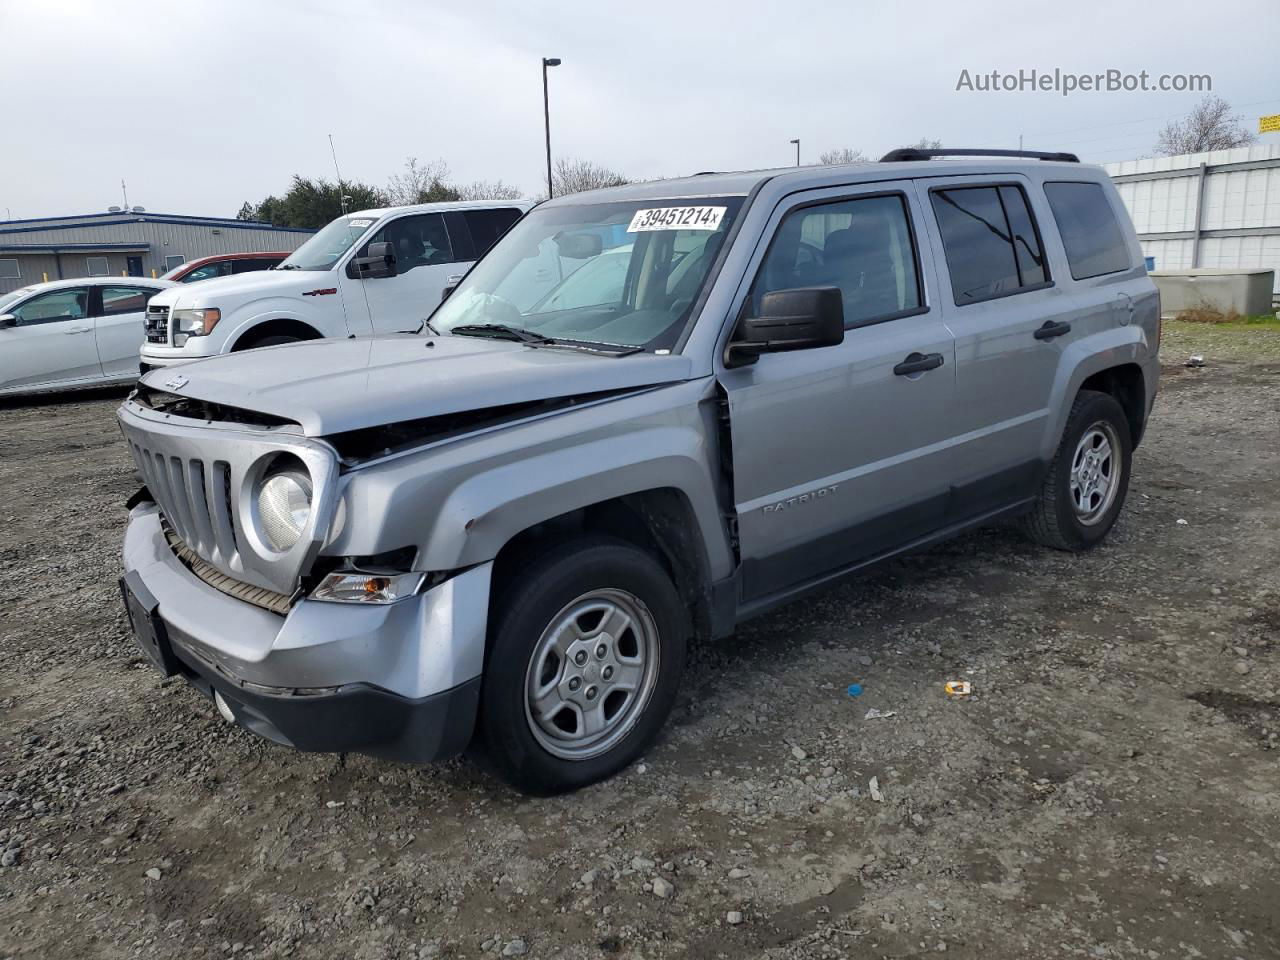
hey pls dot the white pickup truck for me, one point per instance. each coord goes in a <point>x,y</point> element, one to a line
<point>366,273</point>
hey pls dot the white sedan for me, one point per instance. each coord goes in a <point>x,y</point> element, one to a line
<point>73,333</point>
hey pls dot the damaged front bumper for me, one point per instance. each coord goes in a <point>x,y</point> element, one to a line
<point>398,680</point>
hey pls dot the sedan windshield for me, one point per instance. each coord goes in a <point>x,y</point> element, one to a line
<point>323,250</point>
<point>617,274</point>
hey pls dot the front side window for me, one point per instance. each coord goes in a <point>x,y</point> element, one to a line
<point>862,246</point>
<point>118,300</point>
<point>326,248</point>
<point>1090,232</point>
<point>990,241</point>
<point>624,274</point>
<point>97,266</point>
<point>208,271</point>
<point>71,303</point>
<point>253,264</point>
<point>416,241</point>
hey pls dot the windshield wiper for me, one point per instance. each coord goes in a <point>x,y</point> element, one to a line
<point>500,331</point>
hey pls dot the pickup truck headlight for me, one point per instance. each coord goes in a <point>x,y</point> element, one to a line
<point>284,506</point>
<point>194,323</point>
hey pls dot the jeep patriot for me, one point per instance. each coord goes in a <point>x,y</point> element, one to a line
<point>648,413</point>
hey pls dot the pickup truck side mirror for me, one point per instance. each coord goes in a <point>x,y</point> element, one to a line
<point>381,262</point>
<point>798,319</point>
<point>7,320</point>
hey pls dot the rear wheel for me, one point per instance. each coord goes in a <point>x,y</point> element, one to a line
<point>585,655</point>
<point>1085,488</point>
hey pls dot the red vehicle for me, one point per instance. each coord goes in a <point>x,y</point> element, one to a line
<point>222,265</point>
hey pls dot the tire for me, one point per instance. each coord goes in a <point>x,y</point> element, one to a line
<point>274,340</point>
<point>591,583</point>
<point>1079,502</point>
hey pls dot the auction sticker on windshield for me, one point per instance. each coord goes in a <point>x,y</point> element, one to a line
<point>677,218</point>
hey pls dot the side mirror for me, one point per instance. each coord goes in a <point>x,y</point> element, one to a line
<point>579,246</point>
<point>450,285</point>
<point>797,319</point>
<point>7,320</point>
<point>381,262</point>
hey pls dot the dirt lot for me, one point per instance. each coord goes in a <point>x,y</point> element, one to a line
<point>1112,789</point>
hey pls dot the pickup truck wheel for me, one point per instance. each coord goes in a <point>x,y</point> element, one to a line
<point>1084,490</point>
<point>586,649</point>
<point>271,341</point>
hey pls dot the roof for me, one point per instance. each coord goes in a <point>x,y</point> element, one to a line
<point>74,247</point>
<point>442,207</point>
<point>93,282</point>
<point>117,217</point>
<point>741,183</point>
<point>219,257</point>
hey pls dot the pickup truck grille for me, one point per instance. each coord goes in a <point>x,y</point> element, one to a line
<point>157,324</point>
<point>204,478</point>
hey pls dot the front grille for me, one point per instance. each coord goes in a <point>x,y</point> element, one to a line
<point>194,497</point>
<point>157,324</point>
<point>258,596</point>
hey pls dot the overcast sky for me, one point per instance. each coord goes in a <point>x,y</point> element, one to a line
<point>201,105</point>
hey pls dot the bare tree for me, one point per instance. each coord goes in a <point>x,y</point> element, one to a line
<point>574,176</point>
<point>924,143</point>
<point>490,190</point>
<point>421,183</point>
<point>843,155</point>
<point>1209,126</point>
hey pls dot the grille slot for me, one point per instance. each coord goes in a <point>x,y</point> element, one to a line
<point>157,324</point>
<point>196,501</point>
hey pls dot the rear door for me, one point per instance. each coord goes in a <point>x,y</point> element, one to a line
<point>1012,321</point>
<point>119,312</point>
<point>841,453</point>
<point>52,343</point>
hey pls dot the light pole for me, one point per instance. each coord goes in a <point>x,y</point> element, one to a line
<point>546,114</point>
<point>797,143</point>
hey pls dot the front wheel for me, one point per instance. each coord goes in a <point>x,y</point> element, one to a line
<point>586,649</point>
<point>1085,487</point>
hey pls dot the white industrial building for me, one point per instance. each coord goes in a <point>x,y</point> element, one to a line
<point>1218,210</point>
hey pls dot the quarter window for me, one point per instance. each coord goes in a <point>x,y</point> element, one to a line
<point>118,300</point>
<point>863,246</point>
<point>991,242</point>
<point>71,303</point>
<point>1090,232</point>
<point>9,270</point>
<point>97,266</point>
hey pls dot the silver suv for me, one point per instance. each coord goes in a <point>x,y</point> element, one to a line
<point>502,531</point>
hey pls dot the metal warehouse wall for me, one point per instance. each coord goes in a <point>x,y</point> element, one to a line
<point>1219,209</point>
<point>188,237</point>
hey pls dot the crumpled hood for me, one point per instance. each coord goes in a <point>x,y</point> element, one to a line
<point>331,386</point>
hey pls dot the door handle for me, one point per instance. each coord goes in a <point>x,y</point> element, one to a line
<point>75,330</point>
<point>918,363</point>
<point>1051,328</point>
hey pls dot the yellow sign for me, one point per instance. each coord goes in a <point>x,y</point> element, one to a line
<point>1269,124</point>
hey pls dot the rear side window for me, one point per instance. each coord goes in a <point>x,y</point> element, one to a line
<point>1094,242</point>
<point>487,226</point>
<point>863,246</point>
<point>254,264</point>
<point>991,242</point>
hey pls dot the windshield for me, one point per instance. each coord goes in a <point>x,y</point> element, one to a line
<point>621,274</point>
<point>323,250</point>
<point>169,274</point>
<point>8,299</point>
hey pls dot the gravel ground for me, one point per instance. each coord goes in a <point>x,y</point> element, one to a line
<point>1110,789</point>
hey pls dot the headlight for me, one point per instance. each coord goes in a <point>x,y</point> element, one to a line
<point>194,323</point>
<point>284,505</point>
<point>355,587</point>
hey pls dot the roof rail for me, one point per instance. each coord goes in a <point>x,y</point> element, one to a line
<point>912,153</point>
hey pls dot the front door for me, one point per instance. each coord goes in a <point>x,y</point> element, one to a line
<point>119,313</point>
<point>425,259</point>
<point>52,342</point>
<point>842,453</point>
